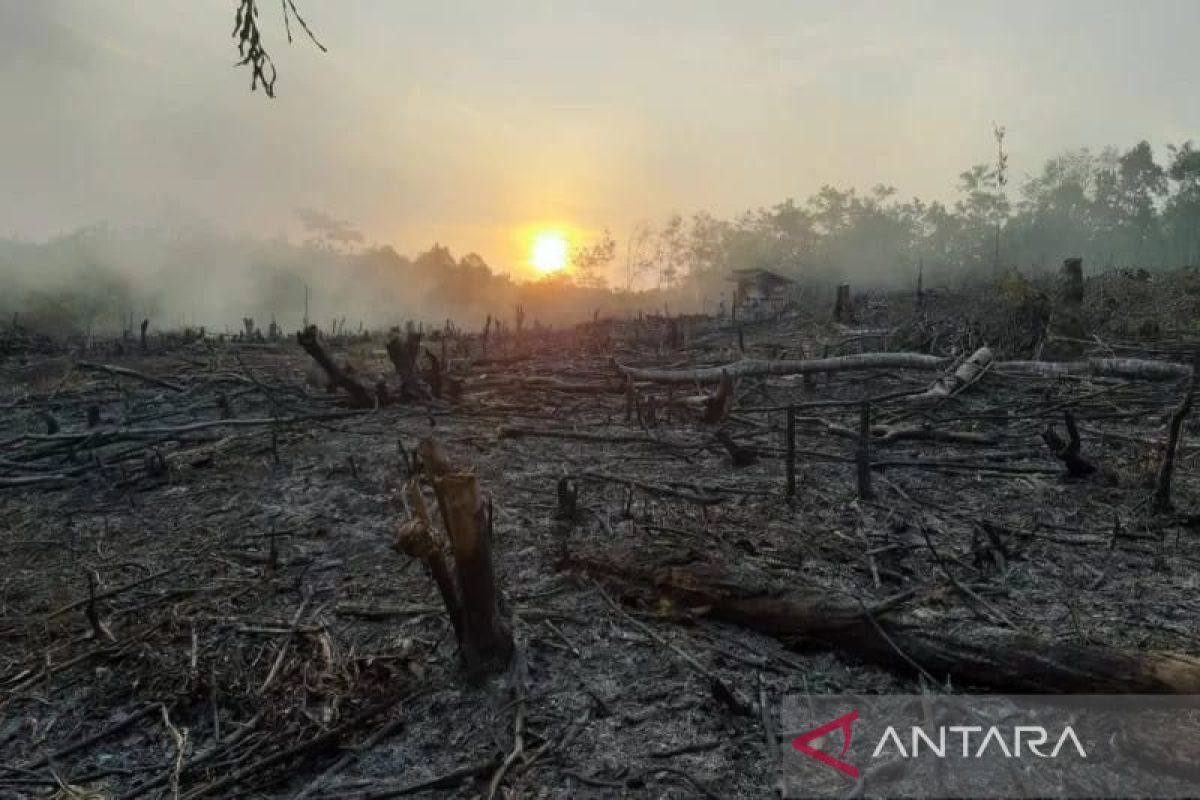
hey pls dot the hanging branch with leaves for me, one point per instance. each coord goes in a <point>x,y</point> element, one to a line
<point>250,42</point>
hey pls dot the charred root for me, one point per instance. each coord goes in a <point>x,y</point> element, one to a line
<point>1068,451</point>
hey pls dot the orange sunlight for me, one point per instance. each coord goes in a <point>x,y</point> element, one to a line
<point>549,252</point>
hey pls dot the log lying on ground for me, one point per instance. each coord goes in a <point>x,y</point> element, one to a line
<point>128,373</point>
<point>887,434</point>
<point>541,382</point>
<point>971,653</point>
<point>1127,368</point>
<point>520,432</point>
<point>1135,369</point>
<point>966,374</point>
<point>358,393</point>
<point>756,366</point>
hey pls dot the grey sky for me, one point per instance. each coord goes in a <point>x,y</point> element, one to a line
<point>468,122</point>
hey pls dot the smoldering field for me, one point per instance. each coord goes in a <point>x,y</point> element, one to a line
<point>214,579</point>
<point>96,279</point>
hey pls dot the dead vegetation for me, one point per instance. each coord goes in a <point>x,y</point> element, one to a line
<point>620,543</point>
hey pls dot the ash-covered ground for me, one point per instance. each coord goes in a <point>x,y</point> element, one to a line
<point>200,597</point>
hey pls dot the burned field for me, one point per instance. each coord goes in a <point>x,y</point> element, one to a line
<point>219,579</point>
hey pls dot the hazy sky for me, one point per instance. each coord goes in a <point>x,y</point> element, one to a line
<point>469,122</point>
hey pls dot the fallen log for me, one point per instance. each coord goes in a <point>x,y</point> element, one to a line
<point>1129,368</point>
<point>886,634</point>
<point>1126,368</point>
<point>545,383</point>
<point>125,372</point>
<point>518,432</point>
<point>358,393</point>
<point>967,373</point>
<point>757,366</point>
<point>886,434</point>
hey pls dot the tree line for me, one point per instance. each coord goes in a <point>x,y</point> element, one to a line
<point>1116,209</point>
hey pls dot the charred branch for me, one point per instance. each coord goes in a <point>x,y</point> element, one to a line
<point>359,395</point>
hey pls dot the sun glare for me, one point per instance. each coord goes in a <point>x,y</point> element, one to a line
<point>549,252</point>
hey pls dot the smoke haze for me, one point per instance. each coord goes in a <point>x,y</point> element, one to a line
<point>466,123</point>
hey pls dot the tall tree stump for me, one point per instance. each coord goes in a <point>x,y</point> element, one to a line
<point>1066,329</point>
<point>471,594</point>
<point>404,354</point>
<point>843,309</point>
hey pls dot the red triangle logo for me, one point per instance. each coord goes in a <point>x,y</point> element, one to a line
<point>800,743</point>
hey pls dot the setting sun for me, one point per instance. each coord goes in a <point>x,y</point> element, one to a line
<point>549,252</point>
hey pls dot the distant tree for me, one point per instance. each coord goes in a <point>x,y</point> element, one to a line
<point>252,52</point>
<point>1182,212</point>
<point>327,232</point>
<point>1001,173</point>
<point>473,263</point>
<point>436,261</point>
<point>706,237</point>
<point>638,254</point>
<point>669,251</point>
<point>590,261</point>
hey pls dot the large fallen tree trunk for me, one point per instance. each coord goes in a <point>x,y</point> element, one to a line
<point>969,652</point>
<point>756,366</point>
<point>1130,368</point>
<point>1127,368</point>
<point>967,373</point>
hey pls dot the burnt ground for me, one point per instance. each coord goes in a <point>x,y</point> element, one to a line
<point>252,633</point>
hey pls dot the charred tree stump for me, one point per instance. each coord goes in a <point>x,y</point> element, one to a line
<point>1162,485</point>
<point>145,327</point>
<point>471,595</point>
<point>862,454</point>
<point>404,355</point>
<point>673,339</point>
<point>719,405</point>
<point>739,456</point>
<point>790,445</point>
<point>1068,452</point>
<point>1066,329</point>
<point>414,539</point>
<point>843,310</point>
<point>433,376</point>
<point>337,377</point>
<point>920,288</point>
<point>568,500</point>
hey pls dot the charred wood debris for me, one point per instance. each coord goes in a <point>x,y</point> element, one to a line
<point>530,561</point>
